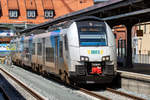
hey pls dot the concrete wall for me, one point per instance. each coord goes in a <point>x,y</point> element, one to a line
<point>135,82</point>
<point>140,87</point>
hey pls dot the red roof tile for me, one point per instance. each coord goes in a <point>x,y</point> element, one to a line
<point>13,4</point>
<point>30,4</point>
<point>48,4</point>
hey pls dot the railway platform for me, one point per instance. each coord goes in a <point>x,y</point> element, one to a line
<point>137,68</point>
<point>136,78</point>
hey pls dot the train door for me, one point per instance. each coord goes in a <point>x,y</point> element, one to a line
<point>56,52</point>
<point>60,57</point>
<point>30,51</point>
<point>44,52</point>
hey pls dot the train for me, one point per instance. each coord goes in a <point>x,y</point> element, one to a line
<point>81,50</point>
<point>4,49</point>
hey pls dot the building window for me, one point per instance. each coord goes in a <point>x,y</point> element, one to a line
<point>115,35</point>
<point>49,13</point>
<point>13,13</point>
<point>0,12</point>
<point>31,14</point>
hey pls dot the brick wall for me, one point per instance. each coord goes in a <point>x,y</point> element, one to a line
<point>120,32</point>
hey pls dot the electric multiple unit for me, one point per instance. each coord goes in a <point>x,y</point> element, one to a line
<point>83,52</point>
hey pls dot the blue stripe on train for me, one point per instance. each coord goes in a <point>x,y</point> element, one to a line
<point>4,44</point>
<point>93,43</point>
<point>54,34</point>
<point>5,50</point>
<point>21,45</point>
<point>52,37</point>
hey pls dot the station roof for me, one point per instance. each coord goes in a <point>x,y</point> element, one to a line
<point>103,10</point>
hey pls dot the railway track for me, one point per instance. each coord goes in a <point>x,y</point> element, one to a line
<point>34,94</point>
<point>86,91</point>
<point>124,94</point>
<point>101,97</point>
<point>5,96</point>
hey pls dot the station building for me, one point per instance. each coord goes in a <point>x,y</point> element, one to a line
<point>140,43</point>
<point>20,14</point>
<point>38,11</point>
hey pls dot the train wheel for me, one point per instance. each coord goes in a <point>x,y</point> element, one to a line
<point>67,80</point>
<point>41,69</point>
<point>62,76</point>
<point>32,65</point>
<point>42,72</point>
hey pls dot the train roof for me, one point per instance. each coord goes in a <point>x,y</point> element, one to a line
<point>55,22</point>
<point>87,18</point>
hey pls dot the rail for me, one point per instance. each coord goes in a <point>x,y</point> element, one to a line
<point>37,96</point>
<point>94,94</point>
<point>124,94</point>
<point>6,97</point>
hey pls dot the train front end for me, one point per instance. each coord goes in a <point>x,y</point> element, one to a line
<point>92,52</point>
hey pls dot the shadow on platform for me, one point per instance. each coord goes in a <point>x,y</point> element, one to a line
<point>136,68</point>
<point>12,93</point>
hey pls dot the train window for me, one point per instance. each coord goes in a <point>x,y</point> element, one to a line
<point>66,42</point>
<point>47,54</point>
<point>92,35</point>
<point>61,49</point>
<point>17,47</point>
<point>50,54</point>
<point>33,48</point>
<point>27,50</point>
<point>90,29</point>
<point>39,49</point>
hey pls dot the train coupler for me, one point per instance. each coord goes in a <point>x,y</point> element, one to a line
<point>96,70</point>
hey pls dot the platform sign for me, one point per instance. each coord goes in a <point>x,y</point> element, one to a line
<point>139,33</point>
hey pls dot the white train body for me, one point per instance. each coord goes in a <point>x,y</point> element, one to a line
<point>85,52</point>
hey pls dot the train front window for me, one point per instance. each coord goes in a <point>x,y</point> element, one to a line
<point>93,35</point>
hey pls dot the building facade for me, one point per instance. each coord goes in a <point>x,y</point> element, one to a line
<point>38,11</point>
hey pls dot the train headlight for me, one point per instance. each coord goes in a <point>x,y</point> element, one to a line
<point>103,58</point>
<point>106,58</point>
<point>83,58</point>
<point>86,59</point>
